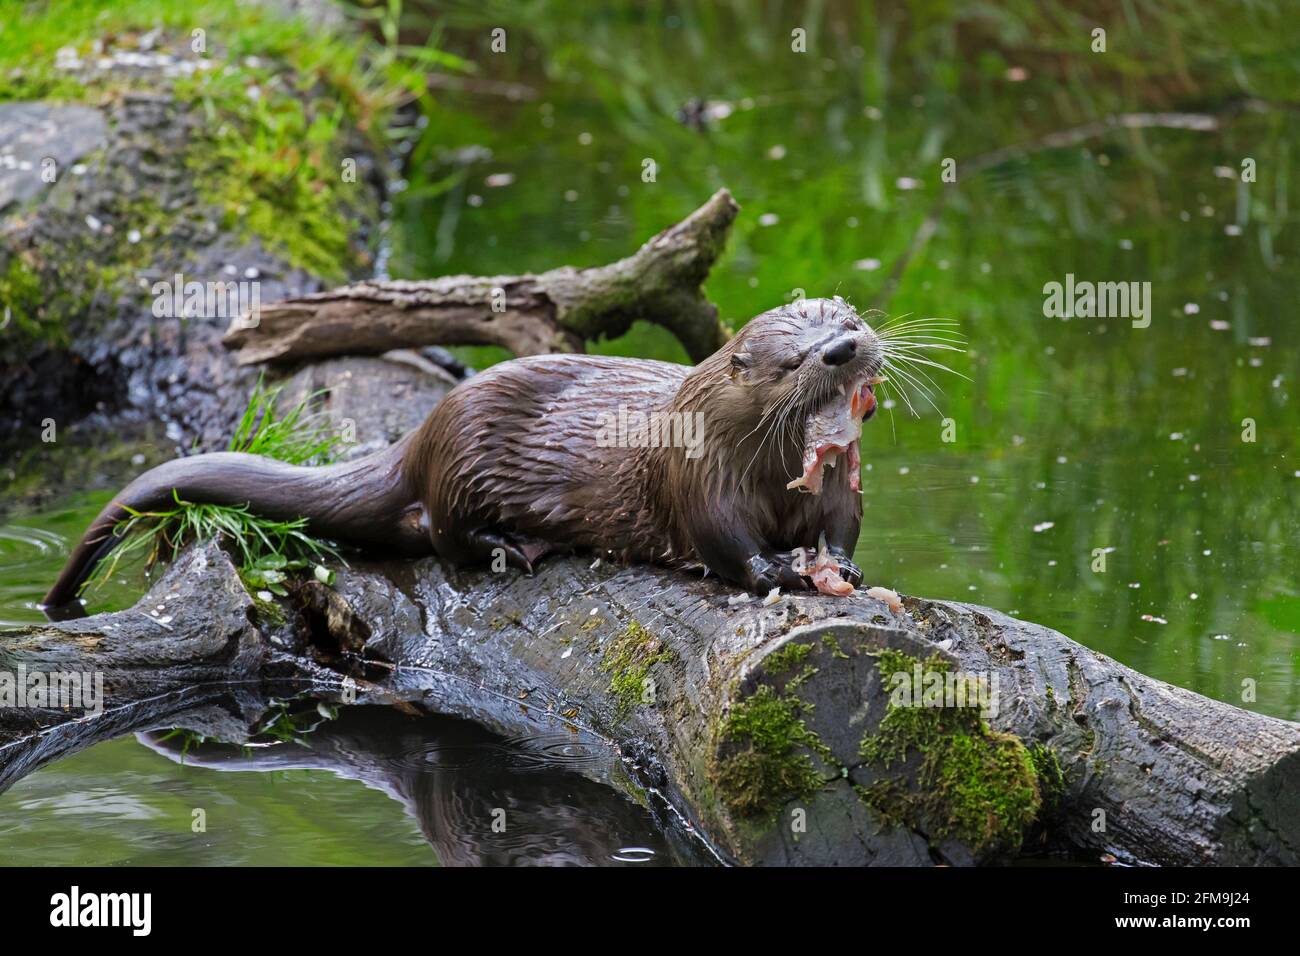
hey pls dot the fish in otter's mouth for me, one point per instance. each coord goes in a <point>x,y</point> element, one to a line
<point>834,430</point>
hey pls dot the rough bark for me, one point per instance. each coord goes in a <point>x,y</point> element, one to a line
<point>1181,779</point>
<point>205,662</point>
<point>556,311</point>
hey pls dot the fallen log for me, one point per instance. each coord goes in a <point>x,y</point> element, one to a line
<point>556,311</point>
<point>773,728</point>
<point>776,730</point>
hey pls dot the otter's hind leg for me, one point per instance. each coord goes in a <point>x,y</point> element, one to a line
<point>518,550</point>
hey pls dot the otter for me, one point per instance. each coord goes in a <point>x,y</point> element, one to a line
<point>513,462</point>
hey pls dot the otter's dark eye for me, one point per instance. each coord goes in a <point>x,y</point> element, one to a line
<point>739,361</point>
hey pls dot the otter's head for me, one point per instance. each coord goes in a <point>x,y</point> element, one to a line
<point>794,360</point>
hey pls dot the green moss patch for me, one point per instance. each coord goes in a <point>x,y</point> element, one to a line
<point>1050,773</point>
<point>789,657</point>
<point>22,306</point>
<point>971,783</point>
<point>629,659</point>
<point>767,754</point>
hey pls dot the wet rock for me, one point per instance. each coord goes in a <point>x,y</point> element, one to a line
<point>41,140</point>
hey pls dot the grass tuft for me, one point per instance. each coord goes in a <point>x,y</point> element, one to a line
<point>298,436</point>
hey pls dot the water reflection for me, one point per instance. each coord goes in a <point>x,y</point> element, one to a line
<point>478,799</point>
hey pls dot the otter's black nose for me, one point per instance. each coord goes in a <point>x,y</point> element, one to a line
<point>840,352</point>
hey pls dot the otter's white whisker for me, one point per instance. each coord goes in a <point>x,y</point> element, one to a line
<point>925,335</point>
<point>922,346</point>
<point>897,328</point>
<point>914,360</point>
<point>902,392</point>
<point>907,376</point>
<point>931,382</point>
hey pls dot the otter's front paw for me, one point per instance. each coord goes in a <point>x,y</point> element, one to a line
<point>848,570</point>
<point>763,573</point>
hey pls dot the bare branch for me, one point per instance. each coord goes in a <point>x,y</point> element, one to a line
<point>556,311</point>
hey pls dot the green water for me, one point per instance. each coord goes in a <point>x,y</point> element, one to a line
<point>119,804</point>
<point>1068,436</point>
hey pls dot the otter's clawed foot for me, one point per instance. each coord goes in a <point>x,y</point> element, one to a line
<point>848,570</point>
<point>767,571</point>
<point>517,551</point>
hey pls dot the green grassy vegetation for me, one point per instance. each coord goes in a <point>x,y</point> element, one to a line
<point>295,435</point>
<point>293,721</point>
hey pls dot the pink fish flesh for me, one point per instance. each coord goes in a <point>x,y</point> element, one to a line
<point>832,431</point>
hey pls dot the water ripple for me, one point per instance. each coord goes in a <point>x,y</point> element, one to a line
<point>23,547</point>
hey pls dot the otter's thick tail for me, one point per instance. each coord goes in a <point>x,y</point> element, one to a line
<point>366,503</point>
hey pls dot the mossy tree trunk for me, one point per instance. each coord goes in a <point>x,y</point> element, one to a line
<point>777,730</point>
